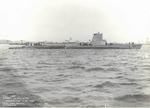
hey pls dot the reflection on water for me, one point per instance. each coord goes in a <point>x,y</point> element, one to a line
<point>73,77</point>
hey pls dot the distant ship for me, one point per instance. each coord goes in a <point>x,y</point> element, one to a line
<point>96,43</point>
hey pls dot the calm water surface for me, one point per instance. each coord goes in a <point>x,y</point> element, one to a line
<point>81,78</point>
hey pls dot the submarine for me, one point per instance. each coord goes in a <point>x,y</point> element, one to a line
<point>96,43</point>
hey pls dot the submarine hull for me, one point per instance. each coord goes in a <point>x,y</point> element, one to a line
<point>137,46</point>
<point>121,46</point>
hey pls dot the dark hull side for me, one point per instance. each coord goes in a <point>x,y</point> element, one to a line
<point>122,46</point>
<point>105,47</point>
<point>38,47</point>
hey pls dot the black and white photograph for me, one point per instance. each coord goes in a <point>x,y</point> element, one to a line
<point>74,53</point>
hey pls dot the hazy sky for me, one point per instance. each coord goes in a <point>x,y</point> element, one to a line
<point>58,20</point>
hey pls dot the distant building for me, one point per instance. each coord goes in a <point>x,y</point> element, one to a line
<point>5,41</point>
<point>147,41</point>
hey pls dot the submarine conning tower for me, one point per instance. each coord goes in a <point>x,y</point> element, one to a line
<point>98,39</point>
